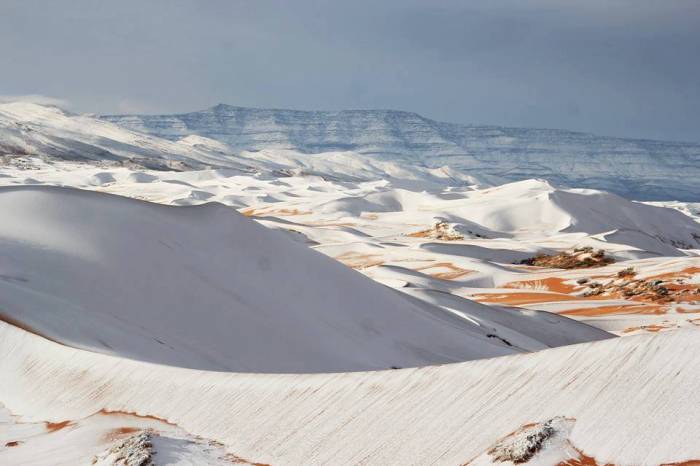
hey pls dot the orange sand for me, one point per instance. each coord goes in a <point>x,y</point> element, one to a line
<point>454,273</point>
<point>55,426</point>
<point>251,212</point>
<point>612,310</point>
<point>360,261</point>
<point>554,284</point>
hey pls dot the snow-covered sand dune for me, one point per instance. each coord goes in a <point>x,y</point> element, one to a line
<point>391,233</point>
<point>208,288</point>
<point>626,401</point>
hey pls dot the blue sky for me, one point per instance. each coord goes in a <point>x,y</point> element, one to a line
<point>627,68</point>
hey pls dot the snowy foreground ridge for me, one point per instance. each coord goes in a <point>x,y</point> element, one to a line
<point>630,400</point>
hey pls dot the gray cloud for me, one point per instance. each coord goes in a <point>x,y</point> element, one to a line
<point>620,67</point>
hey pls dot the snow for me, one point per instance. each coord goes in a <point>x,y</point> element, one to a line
<point>32,129</point>
<point>370,225</point>
<point>639,169</point>
<point>140,311</point>
<point>107,439</point>
<point>206,287</point>
<point>634,400</point>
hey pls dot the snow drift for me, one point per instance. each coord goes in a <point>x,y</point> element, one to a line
<point>633,400</point>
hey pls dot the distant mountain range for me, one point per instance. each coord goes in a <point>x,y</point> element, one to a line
<point>635,168</point>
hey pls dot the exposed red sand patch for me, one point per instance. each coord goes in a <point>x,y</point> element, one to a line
<point>360,261</point>
<point>535,297</point>
<point>554,284</point>
<point>612,310</point>
<point>684,293</point>
<point>654,328</point>
<point>682,310</point>
<point>56,426</point>
<point>454,271</point>
<point>238,460</point>
<point>653,295</point>
<point>125,430</point>
<point>107,412</point>
<point>119,432</point>
<point>585,460</point>
<point>251,212</point>
<point>419,234</point>
<point>685,273</point>
<point>582,460</point>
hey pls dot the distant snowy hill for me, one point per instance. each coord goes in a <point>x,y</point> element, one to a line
<point>28,129</point>
<point>48,131</point>
<point>639,169</point>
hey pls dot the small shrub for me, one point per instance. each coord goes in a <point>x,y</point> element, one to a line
<point>625,273</point>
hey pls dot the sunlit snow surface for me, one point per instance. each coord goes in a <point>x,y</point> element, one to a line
<point>137,327</point>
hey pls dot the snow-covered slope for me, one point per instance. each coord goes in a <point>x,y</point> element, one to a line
<point>639,169</point>
<point>625,401</point>
<point>28,129</point>
<point>535,207</point>
<point>416,232</point>
<point>644,170</point>
<point>48,131</point>
<point>206,287</point>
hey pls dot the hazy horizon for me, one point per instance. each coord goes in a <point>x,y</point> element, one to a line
<point>616,68</point>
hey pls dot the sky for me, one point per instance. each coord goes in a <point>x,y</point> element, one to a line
<point>612,67</point>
